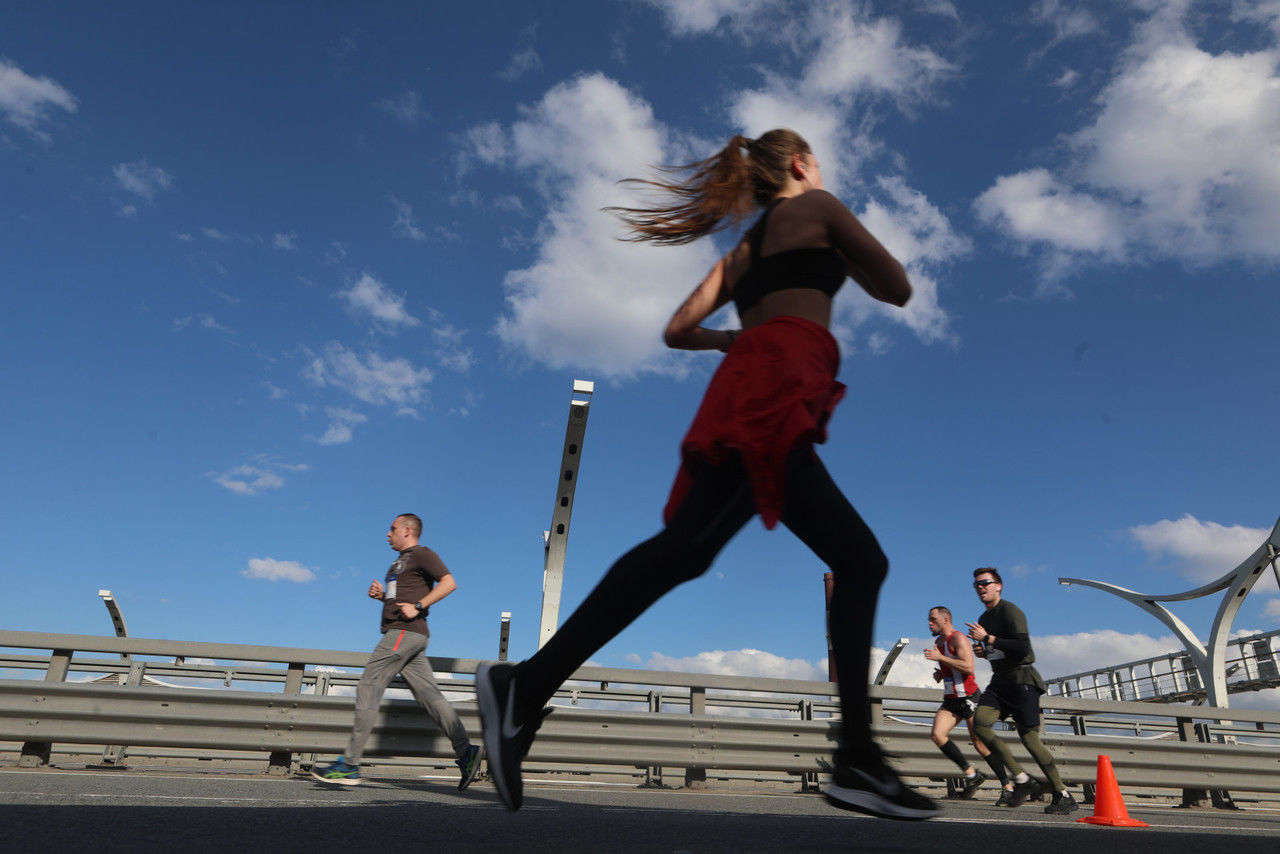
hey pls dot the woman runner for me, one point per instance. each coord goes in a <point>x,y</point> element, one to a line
<point>750,448</point>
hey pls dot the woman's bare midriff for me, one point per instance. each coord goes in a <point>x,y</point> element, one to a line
<point>808,303</point>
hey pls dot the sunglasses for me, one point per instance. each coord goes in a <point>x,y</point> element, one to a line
<point>979,585</point>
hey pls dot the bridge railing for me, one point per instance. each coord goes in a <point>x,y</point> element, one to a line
<point>285,704</point>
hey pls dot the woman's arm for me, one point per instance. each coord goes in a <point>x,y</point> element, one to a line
<point>683,331</point>
<point>868,262</point>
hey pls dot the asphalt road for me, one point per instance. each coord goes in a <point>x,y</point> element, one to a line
<point>51,810</point>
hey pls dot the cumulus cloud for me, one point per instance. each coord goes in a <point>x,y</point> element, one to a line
<point>342,423</point>
<point>404,224</point>
<point>370,297</point>
<point>257,476</point>
<point>204,321</point>
<point>1199,551</point>
<point>1034,206</point>
<point>922,238</point>
<point>588,299</point>
<point>405,107</point>
<point>28,101</point>
<point>697,17</point>
<point>1181,158</point>
<point>524,60</point>
<point>450,350</point>
<point>142,179</point>
<point>270,569</point>
<point>372,378</point>
<point>1067,20</point>
<point>591,301</point>
<point>740,662</point>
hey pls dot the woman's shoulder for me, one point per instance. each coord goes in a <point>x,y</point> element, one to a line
<point>815,204</point>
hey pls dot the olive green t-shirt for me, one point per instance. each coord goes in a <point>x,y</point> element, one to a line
<point>1006,620</point>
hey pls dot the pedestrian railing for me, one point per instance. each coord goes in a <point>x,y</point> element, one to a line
<point>286,705</point>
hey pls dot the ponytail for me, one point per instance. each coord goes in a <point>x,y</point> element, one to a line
<point>717,192</point>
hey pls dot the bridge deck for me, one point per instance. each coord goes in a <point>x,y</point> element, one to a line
<point>139,811</point>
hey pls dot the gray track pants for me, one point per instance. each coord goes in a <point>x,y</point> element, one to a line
<point>405,653</point>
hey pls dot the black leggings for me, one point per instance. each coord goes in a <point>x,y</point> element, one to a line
<point>716,507</point>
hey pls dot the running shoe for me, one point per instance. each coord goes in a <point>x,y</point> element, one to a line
<point>1063,804</point>
<point>469,765</point>
<point>506,740</point>
<point>337,772</point>
<point>875,789</point>
<point>1003,800</point>
<point>971,785</point>
<point>1023,791</point>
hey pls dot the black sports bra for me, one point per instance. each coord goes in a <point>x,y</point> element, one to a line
<point>818,267</point>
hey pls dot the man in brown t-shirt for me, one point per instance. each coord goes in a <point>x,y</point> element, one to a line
<point>416,581</point>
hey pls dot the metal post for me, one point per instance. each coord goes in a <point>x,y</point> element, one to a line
<point>696,777</point>
<point>556,540</point>
<point>504,635</point>
<point>114,753</point>
<point>653,774</point>
<point>280,761</point>
<point>35,754</point>
<point>1079,728</point>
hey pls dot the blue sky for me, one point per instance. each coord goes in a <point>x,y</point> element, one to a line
<point>276,272</point>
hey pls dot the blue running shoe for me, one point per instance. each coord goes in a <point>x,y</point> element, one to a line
<point>337,772</point>
<point>470,767</point>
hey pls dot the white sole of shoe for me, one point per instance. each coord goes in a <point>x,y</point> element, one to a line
<point>340,781</point>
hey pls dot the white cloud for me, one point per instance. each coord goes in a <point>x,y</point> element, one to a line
<point>1200,551</point>
<point>1183,149</point>
<point>1068,20</point>
<point>287,241</point>
<point>342,422</point>
<point>740,662</point>
<point>590,301</point>
<point>450,350</point>
<point>142,179</point>
<point>857,55</point>
<point>696,17</point>
<point>1033,206</point>
<point>405,107</point>
<point>1272,608</point>
<point>368,296</point>
<point>921,237</point>
<point>204,321</point>
<point>215,234</point>
<point>27,101</point>
<point>257,476</point>
<point>521,63</point>
<point>404,225</point>
<point>270,569</point>
<point>371,378</point>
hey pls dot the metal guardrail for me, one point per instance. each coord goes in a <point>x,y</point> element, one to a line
<point>1165,746</point>
<point>1252,663</point>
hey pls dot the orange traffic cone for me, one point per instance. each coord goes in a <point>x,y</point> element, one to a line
<point>1108,806</point>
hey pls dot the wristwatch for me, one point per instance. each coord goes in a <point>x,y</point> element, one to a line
<point>422,609</point>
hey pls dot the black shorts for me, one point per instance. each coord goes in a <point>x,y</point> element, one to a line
<point>962,707</point>
<point>1022,702</point>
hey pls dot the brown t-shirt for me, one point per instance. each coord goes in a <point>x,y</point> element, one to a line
<point>410,579</point>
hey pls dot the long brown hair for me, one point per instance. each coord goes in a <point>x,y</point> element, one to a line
<point>716,192</point>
